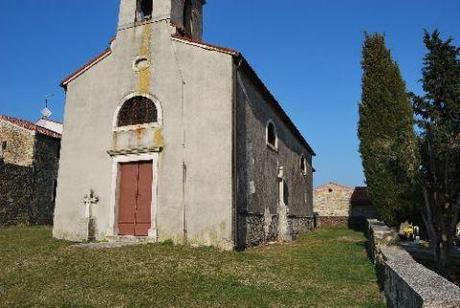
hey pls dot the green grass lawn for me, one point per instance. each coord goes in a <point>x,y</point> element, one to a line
<point>327,268</point>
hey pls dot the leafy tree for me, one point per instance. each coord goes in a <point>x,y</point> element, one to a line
<point>387,140</point>
<point>438,115</point>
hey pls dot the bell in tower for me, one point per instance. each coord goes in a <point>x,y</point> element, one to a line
<point>187,15</point>
<point>144,10</point>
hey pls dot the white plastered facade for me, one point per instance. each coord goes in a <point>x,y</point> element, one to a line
<point>190,145</point>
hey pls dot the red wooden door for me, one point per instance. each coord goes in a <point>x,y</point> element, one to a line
<point>127,199</point>
<point>144,198</point>
<point>135,198</point>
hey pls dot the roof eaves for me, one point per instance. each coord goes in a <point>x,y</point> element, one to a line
<point>86,67</point>
<point>239,57</point>
<point>187,40</point>
<point>275,103</point>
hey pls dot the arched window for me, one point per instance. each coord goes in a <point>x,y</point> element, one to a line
<point>271,135</point>
<point>137,110</point>
<point>303,165</point>
<point>144,10</point>
<point>285,193</point>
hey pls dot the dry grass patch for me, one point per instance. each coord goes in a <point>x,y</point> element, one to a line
<point>327,268</point>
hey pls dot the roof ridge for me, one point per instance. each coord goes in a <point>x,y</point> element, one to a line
<point>336,184</point>
<point>30,126</point>
<point>50,120</point>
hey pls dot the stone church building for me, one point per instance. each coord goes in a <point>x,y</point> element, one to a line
<point>170,138</point>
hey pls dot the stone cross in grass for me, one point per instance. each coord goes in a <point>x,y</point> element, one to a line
<point>89,200</point>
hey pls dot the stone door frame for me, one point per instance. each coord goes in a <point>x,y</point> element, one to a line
<point>113,212</point>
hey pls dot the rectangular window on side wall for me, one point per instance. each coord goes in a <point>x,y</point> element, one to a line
<point>2,148</point>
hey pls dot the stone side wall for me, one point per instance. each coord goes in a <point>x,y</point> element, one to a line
<point>28,172</point>
<point>46,165</point>
<point>301,225</point>
<point>261,229</point>
<point>16,174</point>
<point>19,144</point>
<point>407,283</point>
<point>16,194</point>
<point>261,217</point>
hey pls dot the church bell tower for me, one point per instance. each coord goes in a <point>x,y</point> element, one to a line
<point>185,15</point>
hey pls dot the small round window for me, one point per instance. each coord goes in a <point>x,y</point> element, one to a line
<point>140,64</point>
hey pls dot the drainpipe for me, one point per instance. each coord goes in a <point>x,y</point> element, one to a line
<point>184,165</point>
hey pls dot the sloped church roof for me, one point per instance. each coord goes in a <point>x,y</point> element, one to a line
<point>238,58</point>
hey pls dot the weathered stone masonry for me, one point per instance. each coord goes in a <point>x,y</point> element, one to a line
<point>260,216</point>
<point>337,204</point>
<point>405,282</point>
<point>28,172</point>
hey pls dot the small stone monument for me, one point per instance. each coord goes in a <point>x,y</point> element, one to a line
<point>89,200</point>
<point>416,235</point>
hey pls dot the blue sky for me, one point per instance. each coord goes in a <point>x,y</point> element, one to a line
<point>307,52</point>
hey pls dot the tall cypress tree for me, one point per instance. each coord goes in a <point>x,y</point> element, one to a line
<point>439,121</point>
<point>387,140</point>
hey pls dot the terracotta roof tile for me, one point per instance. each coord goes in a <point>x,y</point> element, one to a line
<point>30,126</point>
<point>207,45</point>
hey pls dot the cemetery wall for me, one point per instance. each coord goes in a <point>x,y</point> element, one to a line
<point>405,282</point>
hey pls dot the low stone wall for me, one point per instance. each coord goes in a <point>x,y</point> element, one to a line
<point>301,225</point>
<point>331,221</point>
<point>258,230</point>
<point>357,223</point>
<point>407,283</point>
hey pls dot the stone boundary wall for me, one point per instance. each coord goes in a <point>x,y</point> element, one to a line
<point>356,223</point>
<point>406,283</point>
<point>331,221</point>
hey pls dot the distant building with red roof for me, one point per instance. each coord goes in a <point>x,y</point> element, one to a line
<point>339,204</point>
<point>29,159</point>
